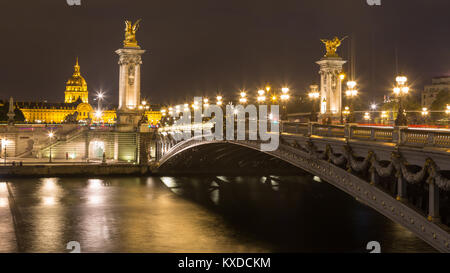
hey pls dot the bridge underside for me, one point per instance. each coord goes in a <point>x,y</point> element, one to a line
<point>224,158</point>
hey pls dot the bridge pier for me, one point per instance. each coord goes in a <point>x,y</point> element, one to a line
<point>401,187</point>
<point>433,201</point>
<point>374,177</point>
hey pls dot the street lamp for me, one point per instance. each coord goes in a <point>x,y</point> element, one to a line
<point>4,144</point>
<point>424,114</point>
<point>351,93</point>
<point>284,98</point>
<point>261,97</point>
<point>400,90</point>
<point>98,114</point>
<point>100,96</point>
<point>366,116</point>
<point>50,135</point>
<point>314,95</point>
<point>205,102</point>
<point>384,115</point>
<point>219,100</point>
<point>243,97</point>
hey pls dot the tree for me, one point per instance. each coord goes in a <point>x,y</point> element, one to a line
<point>440,104</point>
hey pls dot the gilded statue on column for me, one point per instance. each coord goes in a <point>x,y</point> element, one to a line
<point>130,33</point>
<point>332,45</point>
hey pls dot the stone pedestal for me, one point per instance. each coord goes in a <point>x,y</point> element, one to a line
<point>330,86</point>
<point>129,113</point>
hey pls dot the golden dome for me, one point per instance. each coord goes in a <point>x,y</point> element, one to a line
<point>76,82</point>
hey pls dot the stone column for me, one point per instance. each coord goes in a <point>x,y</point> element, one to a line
<point>433,202</point>
<point>128,113</point>
<point>330,85</point>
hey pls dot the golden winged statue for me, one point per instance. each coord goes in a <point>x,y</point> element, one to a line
<point>130,33</point>
<point>332,45</point>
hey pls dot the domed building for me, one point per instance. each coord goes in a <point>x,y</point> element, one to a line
<point>75,107</point>
<point>76,87</point>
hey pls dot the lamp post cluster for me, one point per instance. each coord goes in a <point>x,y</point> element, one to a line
<point>263,95</point>
<point>351,93</point>
<point>314,95</point>
<point>401,90</point>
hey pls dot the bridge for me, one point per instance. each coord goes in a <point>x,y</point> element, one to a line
<point>398,171</point>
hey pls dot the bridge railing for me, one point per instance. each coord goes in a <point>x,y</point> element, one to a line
<point>425,138</point>
<point>399,135</point>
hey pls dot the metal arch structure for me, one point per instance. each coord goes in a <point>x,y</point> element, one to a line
<point>304,153</point>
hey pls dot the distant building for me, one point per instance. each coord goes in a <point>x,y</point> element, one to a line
<point>76,100</point>
<point>430,92</point>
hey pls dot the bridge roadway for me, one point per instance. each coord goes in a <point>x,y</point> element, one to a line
<point>382,167</point>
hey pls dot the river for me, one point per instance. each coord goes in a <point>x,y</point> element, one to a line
<point>191,214</point>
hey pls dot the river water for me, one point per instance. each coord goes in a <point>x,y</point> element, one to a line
<point>191,214</point>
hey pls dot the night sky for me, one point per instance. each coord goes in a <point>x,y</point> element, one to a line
<point>202,47</point>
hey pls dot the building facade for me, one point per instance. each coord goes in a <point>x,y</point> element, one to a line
<point>430,92</point>
<point>76,106</point>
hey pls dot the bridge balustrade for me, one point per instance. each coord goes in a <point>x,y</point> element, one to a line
<point>425,138</point>
<point>327,130</point>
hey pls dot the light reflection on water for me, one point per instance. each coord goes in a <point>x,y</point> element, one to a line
<point>190,214</point>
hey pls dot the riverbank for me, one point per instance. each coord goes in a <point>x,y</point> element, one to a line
<point>70,170</point>
<point>81,169</point>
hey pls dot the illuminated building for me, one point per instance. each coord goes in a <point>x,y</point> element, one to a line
<point>76,103</point>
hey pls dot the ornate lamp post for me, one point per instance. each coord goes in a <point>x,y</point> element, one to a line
<point>284,98</point>
<point>351,93</point>
<point>400,90</point>
<point>50,135</point>
<point>314,95</point>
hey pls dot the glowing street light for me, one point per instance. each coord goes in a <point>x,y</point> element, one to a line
<point>242,98</point>
<point>284,94</point>
<point>314,95</point>
<point>219,100</point>
<point>98,114</point>
<point>100,95</point>
<point>373,106</point>
<point>351,93</point>
<point>425,111</point>
<point>367,116</point>
<point>261,97</point>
